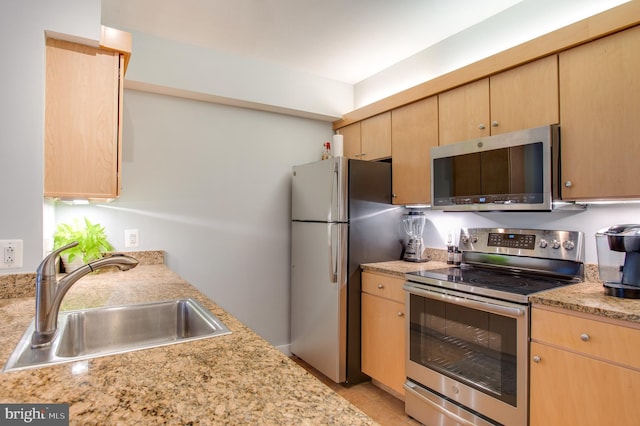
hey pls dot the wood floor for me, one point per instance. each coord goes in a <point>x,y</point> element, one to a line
<point>381,406</point>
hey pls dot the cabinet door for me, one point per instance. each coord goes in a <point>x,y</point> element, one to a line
<point>521,98</point>
<point>376,137</point>
<point>383,341</point>
<point>599,110</point>
<point>351,140</point>
<point>81,121</point>
<point>414,130</point>
<point>571,389</point>
<point>525,97</point>
<point>464,112</point>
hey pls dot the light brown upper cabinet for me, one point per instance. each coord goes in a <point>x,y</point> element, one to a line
<point>351,140</point>
<point>464,112</point>
<point>414,130</point>
<point>368,139</point>
<point>599,117</point>
<point>83,109</point>
<point>520,98</point>
<point>376,137</point>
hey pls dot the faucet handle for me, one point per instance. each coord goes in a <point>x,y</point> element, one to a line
<point>48,266</point>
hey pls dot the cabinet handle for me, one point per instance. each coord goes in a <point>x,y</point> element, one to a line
<point>400,314</point>
<point>363,154</point>
<point>568,184</point>
<point>394,195</point>
<point>537,359</point>
<point>380,286</point>
<point>482,127</point>
<point>494,124</point>
<point>585,337</point>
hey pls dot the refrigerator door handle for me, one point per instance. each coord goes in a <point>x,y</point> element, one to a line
<point>333,192</point>
<point>333,260</point>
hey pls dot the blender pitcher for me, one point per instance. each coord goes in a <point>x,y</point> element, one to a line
<point>413,223</point>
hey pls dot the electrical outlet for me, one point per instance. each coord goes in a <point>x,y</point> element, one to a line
<point>131,238</point>
<point>10,254</point>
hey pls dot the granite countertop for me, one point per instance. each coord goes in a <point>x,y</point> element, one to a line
<point>586,297</point>
<point>399,267</point>
<point>236,379</point>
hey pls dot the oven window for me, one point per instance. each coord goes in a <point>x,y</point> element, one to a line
<point>468,345</point>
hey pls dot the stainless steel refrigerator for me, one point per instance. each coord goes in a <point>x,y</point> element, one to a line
<point>342,216</point>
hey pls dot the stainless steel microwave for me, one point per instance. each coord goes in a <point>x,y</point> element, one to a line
<point>514,171</point>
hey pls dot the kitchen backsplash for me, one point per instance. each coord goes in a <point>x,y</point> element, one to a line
<point>24,285</point>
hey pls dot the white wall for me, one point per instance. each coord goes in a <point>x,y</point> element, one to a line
<point>22,27</point>
<point>210,184</point>
<point>224,223</point>
<point>589,221</point>
<point>167,66</point>
<point>522,22</point>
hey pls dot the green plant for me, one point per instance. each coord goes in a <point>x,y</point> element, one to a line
<point>92,241</point>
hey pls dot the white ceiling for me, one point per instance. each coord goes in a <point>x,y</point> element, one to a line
<point>345,40</point>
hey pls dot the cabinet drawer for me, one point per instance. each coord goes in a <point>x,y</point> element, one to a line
<point>592,337</point>
<point>383,285</point>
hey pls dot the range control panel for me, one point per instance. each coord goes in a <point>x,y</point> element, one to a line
<point>550,244</point>
<point>523,241</point>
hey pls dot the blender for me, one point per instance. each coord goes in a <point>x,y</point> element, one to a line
<point>414,226</point>
<point>619,260</point>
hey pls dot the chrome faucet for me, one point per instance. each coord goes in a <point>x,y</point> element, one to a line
<point>50,291</point>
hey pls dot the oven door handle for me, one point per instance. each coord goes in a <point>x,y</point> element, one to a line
<point>493,308</point>
<point>448,415</point>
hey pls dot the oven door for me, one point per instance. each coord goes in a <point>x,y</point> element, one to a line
<point>470,350</point>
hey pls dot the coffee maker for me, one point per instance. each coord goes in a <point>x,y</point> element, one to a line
<point>619,260</point>
<point>414,226</point>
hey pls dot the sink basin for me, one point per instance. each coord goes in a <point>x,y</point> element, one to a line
<point>91,333</point>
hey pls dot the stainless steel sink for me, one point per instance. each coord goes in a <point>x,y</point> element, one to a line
<point>91,333</point>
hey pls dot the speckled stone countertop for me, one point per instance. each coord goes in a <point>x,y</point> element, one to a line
<point>589,298</point>
<point>399,267</point>
<point>236,379</point>
<point>586,297</point>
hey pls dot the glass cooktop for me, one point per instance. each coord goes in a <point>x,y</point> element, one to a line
<point>507,285</point>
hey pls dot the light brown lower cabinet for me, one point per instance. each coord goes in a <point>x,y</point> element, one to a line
<point>383,329</point>
<point>583,371</point>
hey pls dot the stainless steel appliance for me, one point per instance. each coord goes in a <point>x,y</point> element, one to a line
<point>618,250</point>
<point>511,171</point>
<point>413,223</point>
<point>341,217</point>
<point>468,327</point>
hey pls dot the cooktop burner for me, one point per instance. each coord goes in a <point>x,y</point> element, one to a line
<point>512,285</point>
<point>510,264</point>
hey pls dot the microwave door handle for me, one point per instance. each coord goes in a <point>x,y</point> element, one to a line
<point>333,266</point>
<point>461,301</point>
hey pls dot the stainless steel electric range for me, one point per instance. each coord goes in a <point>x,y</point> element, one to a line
<point>468,326</point>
